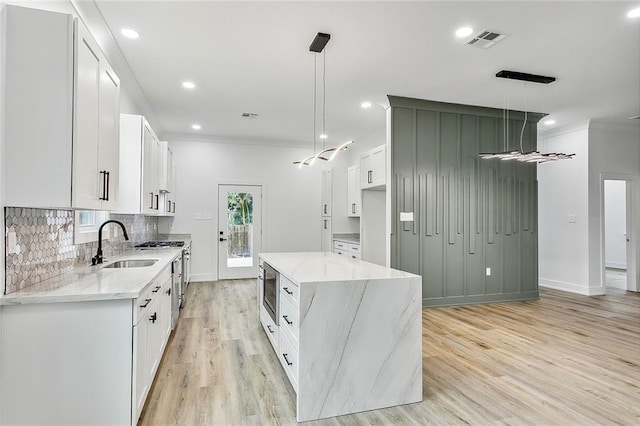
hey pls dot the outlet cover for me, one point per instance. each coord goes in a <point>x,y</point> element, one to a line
<point>573,218</point>
<point>488,271</point>
<point>406,216</point>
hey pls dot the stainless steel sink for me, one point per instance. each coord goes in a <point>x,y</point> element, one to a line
<point>132,263</point>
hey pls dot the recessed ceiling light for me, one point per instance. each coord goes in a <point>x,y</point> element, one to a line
<point>464,31</point>
<point>188,85</point>
<point>129,33</point>
<point>634,13</point>
<point>196,126</point>
<point>323,136</point>
<point>549,122</point>
<point>366,105</point>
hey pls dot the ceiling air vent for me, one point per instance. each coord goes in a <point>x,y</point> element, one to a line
<point>485,39</point>
<point>249,115</point>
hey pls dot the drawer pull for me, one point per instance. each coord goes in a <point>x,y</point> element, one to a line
<point>286,290</point>
<point>153,317</point>
<point>146,303</point>
<point>270,330</point>
<point>287,359</point>
<point>155,290</point>
<point>287,320</point>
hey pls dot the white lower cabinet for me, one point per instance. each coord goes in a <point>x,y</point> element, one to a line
<point>82,362</point>
<point>346,249</point>
<point>284,336</point>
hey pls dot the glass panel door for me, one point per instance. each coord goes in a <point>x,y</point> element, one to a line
<point>239,230</point>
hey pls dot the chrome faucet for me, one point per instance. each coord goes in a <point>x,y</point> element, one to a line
<point>98,257</point>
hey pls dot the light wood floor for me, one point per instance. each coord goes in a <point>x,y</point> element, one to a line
<point>565,359</point>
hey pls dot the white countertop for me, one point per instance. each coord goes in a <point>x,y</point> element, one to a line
<point>310,267</point>
<point>89,283</point>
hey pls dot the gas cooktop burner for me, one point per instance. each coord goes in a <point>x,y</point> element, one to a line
<point>161,244</point>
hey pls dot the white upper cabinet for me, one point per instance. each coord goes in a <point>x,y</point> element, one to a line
<point>61,114</point>
<point>97,115</point>
<point>373,165</point>
<point>167,181</point>
<point>354,200</point>
<point>139,167</point>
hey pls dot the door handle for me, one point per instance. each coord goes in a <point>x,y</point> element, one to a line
<point>223,239</point>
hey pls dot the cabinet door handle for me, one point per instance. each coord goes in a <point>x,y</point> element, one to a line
<point>353,208</point>
<point>168,292</point>
<point>103,173</point>
<point>369,176</point>
<point>325,224</point>
<point>286,290</point>
<point>286,319</point>
<point>151,206</point>
<point>155,290</point>
<point>325,209</point>
<point>153,318</point>
<point>174,207</point>
<point>108,175</point>
<point>287,359</point>
<point>169,206</point>
<point>146,303</point>
<point>157,200</point>
<point>270,330</point>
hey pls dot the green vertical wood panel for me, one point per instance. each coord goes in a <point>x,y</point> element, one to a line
<point>431,204</point>
<point>493,244</point>
<point>474,249</point>
<point>404,157</point>
<point>449,167</point>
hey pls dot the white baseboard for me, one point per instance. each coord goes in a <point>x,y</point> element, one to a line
<point>203,277</point>
<point>571,287</point>
<point>616,265</point>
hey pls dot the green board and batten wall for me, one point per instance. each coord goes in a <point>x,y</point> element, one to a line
<point>469,214</point>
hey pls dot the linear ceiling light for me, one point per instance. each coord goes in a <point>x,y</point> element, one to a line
<point>521,155</point>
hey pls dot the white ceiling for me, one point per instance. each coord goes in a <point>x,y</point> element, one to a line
<point>254,57</point>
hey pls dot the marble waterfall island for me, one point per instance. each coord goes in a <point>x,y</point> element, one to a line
<point>348,335</point>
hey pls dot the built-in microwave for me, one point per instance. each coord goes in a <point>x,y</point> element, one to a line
<point>270,291</point>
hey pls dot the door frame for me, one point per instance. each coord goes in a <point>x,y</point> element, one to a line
<point>216,235</point>
<point>632,212</point>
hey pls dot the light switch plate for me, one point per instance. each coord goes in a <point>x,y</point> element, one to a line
<point>573,218</point>
<point>207,215</point>
<point>406,216</point>
<point>488,272</point>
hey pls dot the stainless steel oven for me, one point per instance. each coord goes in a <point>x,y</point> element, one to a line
<point>271,291</point>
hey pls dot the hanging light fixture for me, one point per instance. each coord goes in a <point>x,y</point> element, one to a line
<point>520,155</point>
<point>325,154</point>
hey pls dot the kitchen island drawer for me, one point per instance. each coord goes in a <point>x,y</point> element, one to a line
<point>288,355</point>
<point>289,290</point>
<point>270,328</point>
<point>289,318</point>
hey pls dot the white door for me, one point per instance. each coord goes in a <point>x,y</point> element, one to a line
<point>239,230</point>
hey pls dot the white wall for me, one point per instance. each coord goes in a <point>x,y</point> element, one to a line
<point>614,150</point>
<point>563,249</point>
<point>291,197</point>
<point>615,223</point>
<point>571,254</point>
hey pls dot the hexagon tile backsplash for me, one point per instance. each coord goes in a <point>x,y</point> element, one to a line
<point>45,248</point>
